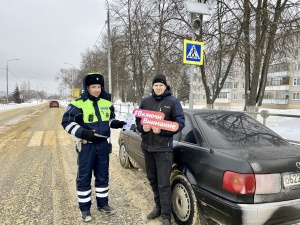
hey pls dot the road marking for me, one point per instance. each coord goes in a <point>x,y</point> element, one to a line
<point>63,137</point>
<point>50,138</point>
<point>36,138</point>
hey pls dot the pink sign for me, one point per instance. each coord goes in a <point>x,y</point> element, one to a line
<point>143,113</point>
<point>155,119</point>
<point>162,124</point>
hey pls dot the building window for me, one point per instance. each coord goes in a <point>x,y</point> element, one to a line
<point>227,86</point>
<point>296,96</point>
<point>243,96</point>
<point>278,81</point>
<point>244,85</point>
<point>234,96</point>
<point>222,95</point>
<point>297,67</point>
<point>296,81</point>
<point>268,95</point>
<point>275,95</point>
<point>203,96</point>
<point>235,85</point>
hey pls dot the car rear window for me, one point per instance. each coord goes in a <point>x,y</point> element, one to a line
<point>235,130</point>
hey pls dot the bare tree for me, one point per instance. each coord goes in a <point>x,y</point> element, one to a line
<point>69,78</point>
<point>221,35</point>
<point>264,22</point>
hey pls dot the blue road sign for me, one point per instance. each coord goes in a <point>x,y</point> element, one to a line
<point>193,52</point>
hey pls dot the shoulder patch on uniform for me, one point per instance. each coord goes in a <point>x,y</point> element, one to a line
<point>68,108</point>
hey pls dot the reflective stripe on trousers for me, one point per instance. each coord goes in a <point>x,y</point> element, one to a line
<point>93,159</point>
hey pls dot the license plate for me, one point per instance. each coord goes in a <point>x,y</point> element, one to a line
<point>292,179</point>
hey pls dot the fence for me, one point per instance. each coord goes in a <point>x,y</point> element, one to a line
<point>265,114</point>
<point>124,108</point>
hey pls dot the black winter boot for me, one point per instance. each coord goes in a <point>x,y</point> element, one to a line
<point>166,222</point>
<point>106,209</point>
<point>86,216</point>
<point>155,213</point>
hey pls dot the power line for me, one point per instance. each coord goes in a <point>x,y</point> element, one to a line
<point>106,24</point>
<point>99,35</point>
<point>14,76</point>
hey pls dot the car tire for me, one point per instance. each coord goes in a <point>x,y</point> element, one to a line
<point>133,163</point>
<point>123,156</point>
<point>184,202</point>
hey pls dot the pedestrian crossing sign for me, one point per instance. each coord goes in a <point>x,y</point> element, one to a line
<point>193,52</point>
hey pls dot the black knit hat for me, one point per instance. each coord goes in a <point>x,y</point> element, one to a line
<point>94,79</point>
<point>159,78</point>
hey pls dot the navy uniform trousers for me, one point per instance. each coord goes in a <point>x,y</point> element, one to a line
<point>93,158</point>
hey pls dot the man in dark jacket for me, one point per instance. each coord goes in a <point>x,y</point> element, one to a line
<point>157,146</point>
<point>89,118</point>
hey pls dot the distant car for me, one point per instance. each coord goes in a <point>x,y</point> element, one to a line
<point>54,104</point>
<point>228,169</point>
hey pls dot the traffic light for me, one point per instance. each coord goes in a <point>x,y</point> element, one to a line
<point>196,23</point>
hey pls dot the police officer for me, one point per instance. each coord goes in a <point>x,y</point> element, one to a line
<point>89,118</point>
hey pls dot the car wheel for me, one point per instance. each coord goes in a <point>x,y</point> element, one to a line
<point>133,163</point>
<point>123,156</point>
<point>184,202</point>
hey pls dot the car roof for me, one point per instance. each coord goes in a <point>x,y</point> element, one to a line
<point>197,111</point>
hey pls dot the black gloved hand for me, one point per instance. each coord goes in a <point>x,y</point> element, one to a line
<point>89,135</point>
<point>120,124</point>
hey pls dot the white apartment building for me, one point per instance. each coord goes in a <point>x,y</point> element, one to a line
<point>282,89</point>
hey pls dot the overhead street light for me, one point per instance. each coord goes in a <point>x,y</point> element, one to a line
<point>72,77</point>
<point>7,78</point>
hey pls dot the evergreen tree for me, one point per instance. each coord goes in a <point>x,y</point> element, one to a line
<point>16,95</point>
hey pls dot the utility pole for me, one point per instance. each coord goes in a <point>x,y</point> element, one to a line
<point>108,56</point>
<point>195,8</point>
<point>7,79</point>
<point>108,51</point>
<point>29,87</point>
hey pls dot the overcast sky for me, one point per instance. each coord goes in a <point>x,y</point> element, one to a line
<point>43,34</point>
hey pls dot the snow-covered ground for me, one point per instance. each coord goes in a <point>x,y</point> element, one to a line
<point>287,127</point>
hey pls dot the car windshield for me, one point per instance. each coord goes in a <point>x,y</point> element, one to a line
<point>235,130</point>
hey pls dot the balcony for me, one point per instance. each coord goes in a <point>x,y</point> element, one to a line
<point>278,83</point>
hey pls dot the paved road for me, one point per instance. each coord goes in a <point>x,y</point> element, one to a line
<point>38,170</point>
